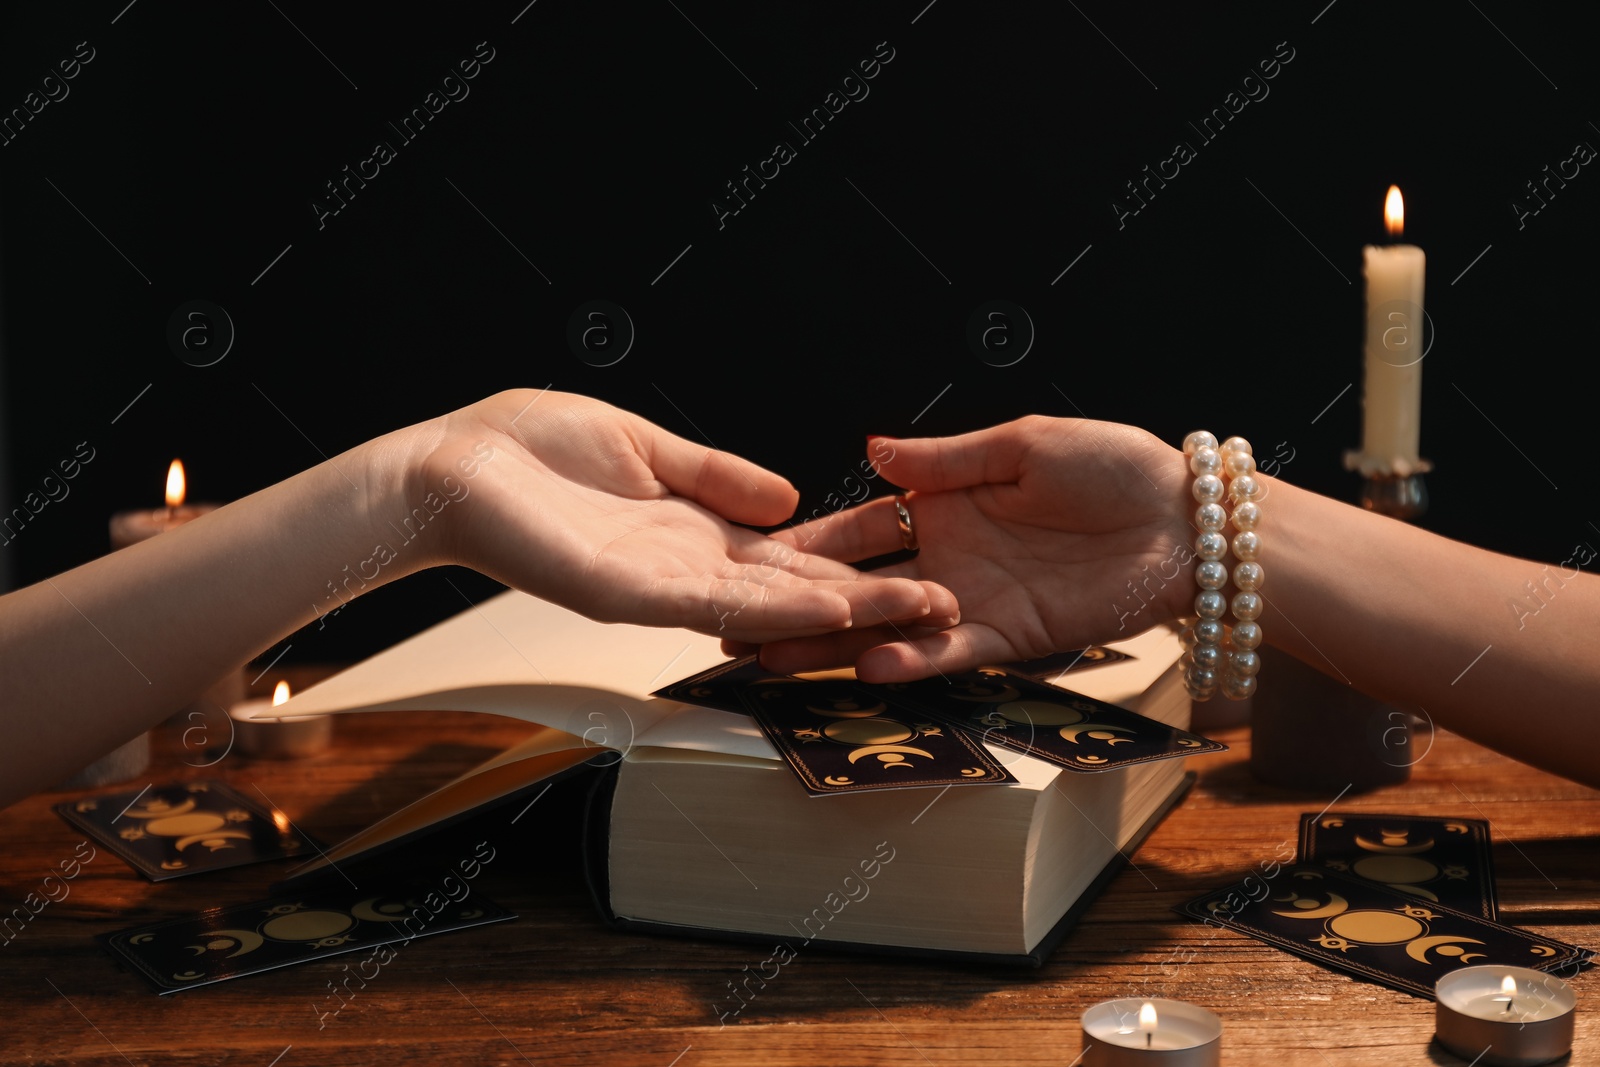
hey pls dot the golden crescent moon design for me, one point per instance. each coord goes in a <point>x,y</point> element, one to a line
<point>139,939</point>
<point>248,941</point>
<point>212,835</point>
<point>157,808</point>
<point>1418,949</point>
<point>1393,850</point>
<point>1332,822</point>
<point>86,805</point>
<point>1336,905</point>
<point>873,750</point>
<point>1090,759</point>
<point>973,772</point>
<point>1542,950</point>
<point>839,779</point>
<point>369,911</point>
<point>1455,827</point>
<point>1070,733</point>
<point>173,865</point>
<point>187,976</point>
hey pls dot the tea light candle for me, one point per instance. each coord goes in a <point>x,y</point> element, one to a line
<point>131,527</point>
<point>289,737</point>
<point>1144,1033</point>
<point>1504,1016</point>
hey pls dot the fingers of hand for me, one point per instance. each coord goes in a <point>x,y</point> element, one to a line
<point>734,488</point>
<point>862,532</point>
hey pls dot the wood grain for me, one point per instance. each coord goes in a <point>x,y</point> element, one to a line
<point>557,987</point>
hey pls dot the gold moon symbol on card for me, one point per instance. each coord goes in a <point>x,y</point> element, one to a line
<point>370,910</point>
<point>890,756</point>
<point>1542,950</point>
<point>1090,759</point>
<point>1376,927</point>
<point>1394,845</point>
<point>1332,822</point>
<point>1392,868</point>
<point>1039,713</point>
<point>157,808</point>
<point>1098,731</point>
<point>187,976</point>
<point>868,731</point>
<point>1446,945</point>
<point>307,925</point>
<point>1306,908</point>
<point>213,840</point>
<point>185,825</point>
<point>247,940</point>
<point>838,779</point>
<point>845,708</point>
<point>139,939</point>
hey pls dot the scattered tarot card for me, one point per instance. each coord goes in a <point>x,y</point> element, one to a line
<point>1373,931</point>
<point>840,737</point>
<point>168,831</point>
<point>224,943</point>
<point>1068,729</point>
<point>719,687</point>
<point>1443,860</point>
<point>1048,667</point>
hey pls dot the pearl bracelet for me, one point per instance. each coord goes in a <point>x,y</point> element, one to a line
<point>1217,656</point>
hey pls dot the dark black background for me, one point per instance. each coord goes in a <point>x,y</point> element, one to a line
<point>996,141</point>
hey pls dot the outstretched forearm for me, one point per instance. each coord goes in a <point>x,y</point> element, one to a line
<point>97,654</point>
<point>1482,642</point>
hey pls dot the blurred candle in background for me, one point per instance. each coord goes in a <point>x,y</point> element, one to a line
<point>1392,403</point>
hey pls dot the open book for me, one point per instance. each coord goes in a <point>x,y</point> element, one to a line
<point>701,827</point>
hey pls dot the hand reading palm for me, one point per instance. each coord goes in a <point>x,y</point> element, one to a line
<point>1037,526</point>
<point>608,514</point>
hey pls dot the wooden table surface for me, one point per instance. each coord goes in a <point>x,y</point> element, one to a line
<point>558,987</point>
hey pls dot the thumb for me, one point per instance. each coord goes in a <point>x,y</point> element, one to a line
<point>935,464</point>
<point>734,488</point>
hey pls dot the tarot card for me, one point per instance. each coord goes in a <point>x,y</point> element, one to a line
<point>225,943</point>
<point>840,737</point>
<point>1370,930</point>
<point>168,831</point>
<point>1069,729</point>
<point>1444,860</point>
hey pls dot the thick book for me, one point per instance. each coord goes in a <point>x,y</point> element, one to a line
<point>698,826</point>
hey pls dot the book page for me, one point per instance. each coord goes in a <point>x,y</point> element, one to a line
<point>520,656</point>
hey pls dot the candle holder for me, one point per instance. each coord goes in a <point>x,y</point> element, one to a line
<point>1503,1016</point>
<point>1391,486</point>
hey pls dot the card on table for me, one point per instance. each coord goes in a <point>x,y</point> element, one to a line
<point>1068,729</point>
<point>225,943</point>
<point>1443,860</point>
<point>1370,930</point>
<point>167,831</point>
<point>841,737</point>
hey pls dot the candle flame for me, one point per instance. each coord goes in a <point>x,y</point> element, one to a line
<point>1394,211</point>
<point>1508,986</point>
<point>1147,1018</point>
<point>280,820</point>
<point>280,693</point>
<point>176,485</point>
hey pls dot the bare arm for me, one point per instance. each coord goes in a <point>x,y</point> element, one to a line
<point>1054,533</point>
<point>561,496</point>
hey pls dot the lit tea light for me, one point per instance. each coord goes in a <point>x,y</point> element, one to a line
<point>285,737</point>
<point>131,527</point>
<point>1155,1031</point>
<point>1502,1016</point>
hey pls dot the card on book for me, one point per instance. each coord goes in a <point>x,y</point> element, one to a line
<point>1080,733</point>
<point>719,686</point>
<point>1373,931</point>
<point>225,943</point>
<point>167,831</point>
<point>1047,667</point>
<point>1444,860</point>
<point>841,737</point>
